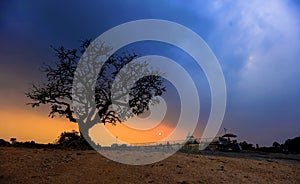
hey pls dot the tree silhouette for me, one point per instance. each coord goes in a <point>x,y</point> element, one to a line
<point>13,140</point>
<point>292,145</point>
<point>276,144</point>
<point>4,142</point>
<point>72,140</point>
<point>117,75</point>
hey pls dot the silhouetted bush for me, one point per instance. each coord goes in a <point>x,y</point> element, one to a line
<point>245,146</point>
<point>276,144</point>
<point>292,145</point>
<point>4,142</point>
<point>72,140</point>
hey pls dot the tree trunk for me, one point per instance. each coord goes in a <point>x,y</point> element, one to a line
<point>86,141</point>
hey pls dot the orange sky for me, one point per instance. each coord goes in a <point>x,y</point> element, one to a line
<point>132,135</point>
<point>27,125</point>
<point>34,124</point>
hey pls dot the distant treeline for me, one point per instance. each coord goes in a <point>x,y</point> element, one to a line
<point>73,140</point>
<point>27,144</point>
<point>66,140</point>
<point>289,146</point>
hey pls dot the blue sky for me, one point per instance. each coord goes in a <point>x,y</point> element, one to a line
<point>256,42</point>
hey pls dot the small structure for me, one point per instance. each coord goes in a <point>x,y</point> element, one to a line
<point>115,145</point>
<point>190,143</point>
<point>228,142</point>
<point>190,139</point>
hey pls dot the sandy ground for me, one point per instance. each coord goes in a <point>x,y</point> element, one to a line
<point>23,165</point>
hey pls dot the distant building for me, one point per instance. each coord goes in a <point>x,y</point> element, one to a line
<point>190,139</point>
<point>115,145</point>
<point>123,146</point>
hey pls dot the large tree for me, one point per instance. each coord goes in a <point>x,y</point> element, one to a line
<point>57,92</point>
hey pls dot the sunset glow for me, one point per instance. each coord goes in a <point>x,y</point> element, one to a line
<point>27,126</point>
<point>129,135</point>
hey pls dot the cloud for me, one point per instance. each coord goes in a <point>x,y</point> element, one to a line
<point>257,44</point>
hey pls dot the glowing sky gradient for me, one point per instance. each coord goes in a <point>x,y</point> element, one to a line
<point>256,42</point>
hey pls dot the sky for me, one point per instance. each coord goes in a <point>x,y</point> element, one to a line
<point>256,43</point>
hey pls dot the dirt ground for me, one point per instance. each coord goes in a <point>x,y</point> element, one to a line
<point>24,165</point>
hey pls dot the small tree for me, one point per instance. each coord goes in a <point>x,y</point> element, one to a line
<point>13,140</point>
<point>276,144</point>
<point>292,145</point>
